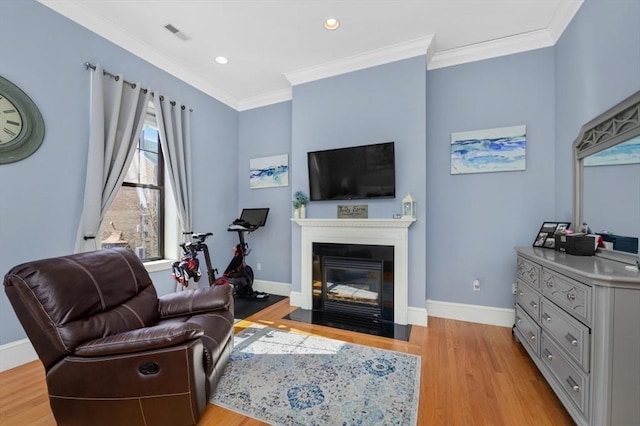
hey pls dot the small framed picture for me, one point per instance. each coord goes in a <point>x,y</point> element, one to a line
<point>547,234</point>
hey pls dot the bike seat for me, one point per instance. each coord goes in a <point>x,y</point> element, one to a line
<point>201,236</point>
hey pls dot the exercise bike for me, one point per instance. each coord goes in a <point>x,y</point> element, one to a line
<point>189,266</point>
<point>238,274</point>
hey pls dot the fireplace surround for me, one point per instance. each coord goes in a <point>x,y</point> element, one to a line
<point>377,232</point>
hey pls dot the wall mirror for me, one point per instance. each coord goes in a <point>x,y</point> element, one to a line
<point>607,175</point>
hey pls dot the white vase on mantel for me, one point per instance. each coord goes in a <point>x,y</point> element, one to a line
<point>299,213</point>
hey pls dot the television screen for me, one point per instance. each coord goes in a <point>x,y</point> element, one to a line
<point>357,172</point>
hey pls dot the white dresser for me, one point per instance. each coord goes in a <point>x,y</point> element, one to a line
<point>578,317</point>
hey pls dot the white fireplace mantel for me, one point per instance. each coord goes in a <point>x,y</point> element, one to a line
<point>383,232</point>
<point>351,223</point>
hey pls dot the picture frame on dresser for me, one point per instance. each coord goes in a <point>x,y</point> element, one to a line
<point>547,233</point>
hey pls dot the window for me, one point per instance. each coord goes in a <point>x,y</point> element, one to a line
<point>136,217</point>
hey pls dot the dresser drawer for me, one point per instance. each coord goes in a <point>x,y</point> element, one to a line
<point>529,300</point>
<point>529,329</point>
<point>529,272</point>
<point>573,296</point>
<point>569,333</point>
<point>574,382</point>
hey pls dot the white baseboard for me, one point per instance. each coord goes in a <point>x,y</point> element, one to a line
<point>16,353</point>
<point>272,287</point>
<point>490,315</point>
<point>295,298</point>
<point>417,316</point>
<point>21,352</point>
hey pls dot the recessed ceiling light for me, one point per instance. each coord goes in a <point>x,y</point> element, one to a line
<point>222,60</point>
<point>331,24</point>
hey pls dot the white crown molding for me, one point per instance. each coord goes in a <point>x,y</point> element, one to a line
<point>369,59</point>
<point>509,45</point>
<point>491,49</point>
<point>265,99</point>
<point>563,17</point>
<point>75,11</point>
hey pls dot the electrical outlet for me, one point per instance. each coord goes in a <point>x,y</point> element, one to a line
<point>476,285</point>
<point>259,266</point>
<point>514,288</point>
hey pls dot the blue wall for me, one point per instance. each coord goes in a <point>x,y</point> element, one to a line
<point>475,220</point>
<point>265,132</point>
<point>597,63</point>
<point>378,104</point>
<point>40,197</point>
<point>467,224</point>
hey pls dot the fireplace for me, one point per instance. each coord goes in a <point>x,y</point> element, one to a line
<point>354,277</point>
<point>380,232</point>
<point>353,280</point>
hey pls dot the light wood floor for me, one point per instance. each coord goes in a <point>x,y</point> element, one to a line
<point>471,374</point>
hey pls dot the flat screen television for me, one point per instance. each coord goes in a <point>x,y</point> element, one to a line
<point>352,173</point>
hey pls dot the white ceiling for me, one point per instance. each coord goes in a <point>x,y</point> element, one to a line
<point>272,45</point>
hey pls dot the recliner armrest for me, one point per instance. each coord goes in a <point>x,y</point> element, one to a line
<point>142,339</point>
<point>198,301</point>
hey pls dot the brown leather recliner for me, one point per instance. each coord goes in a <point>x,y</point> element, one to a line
<point>114,353</point>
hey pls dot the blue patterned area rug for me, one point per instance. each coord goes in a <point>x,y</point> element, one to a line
<point>286,378</point>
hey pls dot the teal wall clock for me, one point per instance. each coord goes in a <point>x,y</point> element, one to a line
<point>21,124</point>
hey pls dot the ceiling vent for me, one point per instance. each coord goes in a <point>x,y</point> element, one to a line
<point>182,36</point>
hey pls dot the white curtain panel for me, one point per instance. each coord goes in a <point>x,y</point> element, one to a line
<point>117,113</point>
<point>174,126</point>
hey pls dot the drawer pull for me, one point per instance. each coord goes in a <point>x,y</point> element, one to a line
<point>533,304</point>
<point>573,384</point>
<point>548,355</point>
<point>546,317</point>
<point>571,296</point>
<point>532,336</point>
<point>520,293</point>
<point>550,284</point>
<point>571,339</point>
<point>518,320</point>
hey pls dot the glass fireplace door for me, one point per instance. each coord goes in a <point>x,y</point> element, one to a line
<point>352,285</point>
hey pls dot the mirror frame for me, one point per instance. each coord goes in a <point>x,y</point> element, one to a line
<point>618,124</point>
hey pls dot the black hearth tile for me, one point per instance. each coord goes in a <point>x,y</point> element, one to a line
<point>344,322</point>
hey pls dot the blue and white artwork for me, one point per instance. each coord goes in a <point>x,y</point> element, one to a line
<point>491,150</point>
<point>268,172</point>
<point>625,153</point>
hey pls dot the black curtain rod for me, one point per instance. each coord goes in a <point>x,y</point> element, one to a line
<point>132,85</point>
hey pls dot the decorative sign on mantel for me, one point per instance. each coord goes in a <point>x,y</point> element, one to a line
<point>360,211</point>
